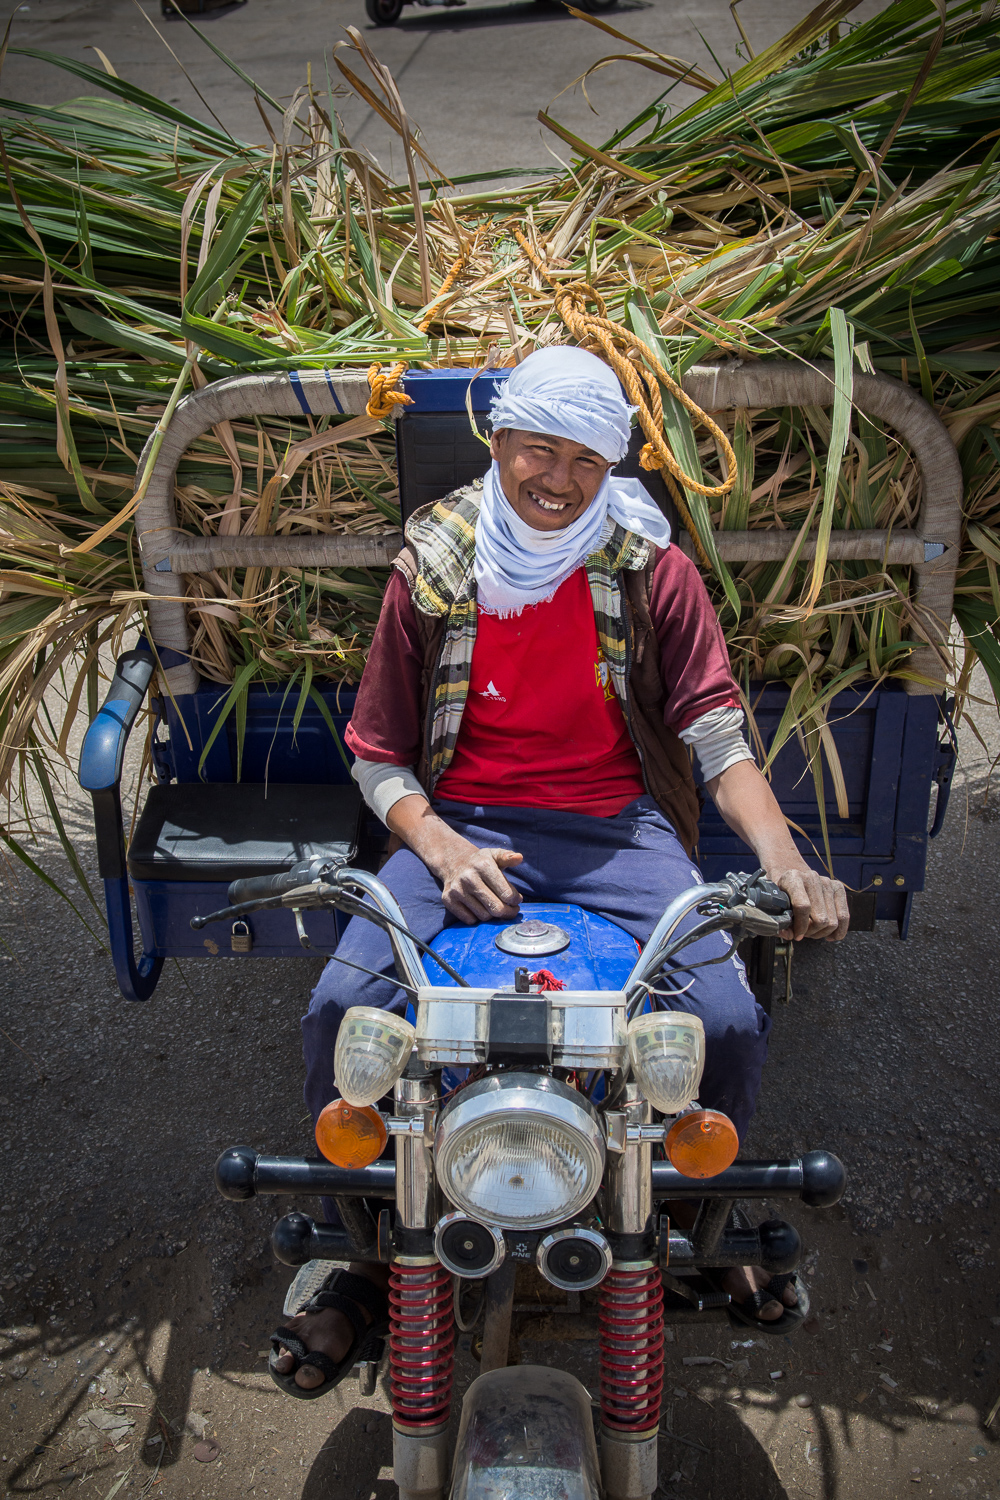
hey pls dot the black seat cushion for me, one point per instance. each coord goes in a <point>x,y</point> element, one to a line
<point>222,831</point>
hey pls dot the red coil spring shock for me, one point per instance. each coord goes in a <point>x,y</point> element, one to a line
<point>421,1343</point>
<point>631,1342</point>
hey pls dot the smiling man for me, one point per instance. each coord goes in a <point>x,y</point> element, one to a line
<point>543,662</point>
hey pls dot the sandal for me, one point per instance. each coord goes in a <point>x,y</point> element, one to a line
<point>746,1314</point>
<point>348,1294</point>
<point>741,1316</point>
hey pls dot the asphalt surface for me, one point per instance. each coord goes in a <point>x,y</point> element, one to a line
<point>473,79</point>
<point>135,1303</point>
<point>118,1259</point>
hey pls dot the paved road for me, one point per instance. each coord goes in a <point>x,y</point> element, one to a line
<point>124,1279</point>
<point>473,79</point>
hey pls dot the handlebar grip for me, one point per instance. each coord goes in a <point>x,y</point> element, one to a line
<point>259,887</point>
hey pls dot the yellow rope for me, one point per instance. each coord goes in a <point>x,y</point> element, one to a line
<point>642,369</point>
<point>383,394</point>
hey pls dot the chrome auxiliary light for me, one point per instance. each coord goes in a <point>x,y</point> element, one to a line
<point>520,1150</point>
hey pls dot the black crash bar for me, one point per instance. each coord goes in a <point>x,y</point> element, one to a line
<point>240,1173</point>
<point>817,1177</point>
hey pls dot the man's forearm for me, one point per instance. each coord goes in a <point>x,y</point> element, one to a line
<point>751,810</point>
<point>414,821</point>
<point>474,887</point>
<point>743,797</point>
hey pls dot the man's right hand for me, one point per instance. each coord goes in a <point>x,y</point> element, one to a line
<point>474,887</point>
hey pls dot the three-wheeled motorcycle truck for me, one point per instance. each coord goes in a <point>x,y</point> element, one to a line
<point>544,1085</point>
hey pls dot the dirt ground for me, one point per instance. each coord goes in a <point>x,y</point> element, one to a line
<point>136,1303</point>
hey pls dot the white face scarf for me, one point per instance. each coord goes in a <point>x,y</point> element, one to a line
<point>568,393</point>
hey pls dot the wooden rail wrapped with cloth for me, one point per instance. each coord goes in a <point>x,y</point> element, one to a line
<point>931,548</point>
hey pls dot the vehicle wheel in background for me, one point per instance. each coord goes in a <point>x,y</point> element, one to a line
<point>384,12</point>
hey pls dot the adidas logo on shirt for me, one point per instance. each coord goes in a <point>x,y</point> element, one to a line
<point>490,691</point>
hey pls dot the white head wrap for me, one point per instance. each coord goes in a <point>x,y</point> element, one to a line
<point>568,393</point>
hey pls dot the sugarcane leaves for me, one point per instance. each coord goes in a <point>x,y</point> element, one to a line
<point>817,23</point>
<point>231,248</point>
<point>328,721</point>
<point>120,335</point>
<point>65,443</point>
<point>42,777</point>
<point>681,437</point>
<point>125,90</point>
<point>236,698</point>
<point>979,628</point>
<point>842,334</point>
<point>988,543</point>
<point>736,505</point>
<point>83,231</point>
<point>926,382</point>
<point>230,64</point>
<point>233,344</point>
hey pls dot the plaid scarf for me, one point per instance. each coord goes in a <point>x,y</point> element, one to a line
<point>443,536</point>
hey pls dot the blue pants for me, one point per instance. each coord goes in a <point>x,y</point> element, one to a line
<point>626,868</point>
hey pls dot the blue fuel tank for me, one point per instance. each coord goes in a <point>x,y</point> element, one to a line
<point>599,955</point>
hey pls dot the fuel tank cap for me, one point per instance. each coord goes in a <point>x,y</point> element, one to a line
<point>533,937</point>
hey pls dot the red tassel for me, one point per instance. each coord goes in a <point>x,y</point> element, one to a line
<point>545,980</point>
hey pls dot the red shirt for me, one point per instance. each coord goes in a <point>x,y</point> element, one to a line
<point>694,666</point>
<point>542,725</point>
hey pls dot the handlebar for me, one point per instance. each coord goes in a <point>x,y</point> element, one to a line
<point>305,872</point>
<point>762,893</point>
<point>317,883</point>
<point>748,901</point>
<point>256,888</point>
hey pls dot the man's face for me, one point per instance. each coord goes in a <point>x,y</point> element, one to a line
<point>549,481</point>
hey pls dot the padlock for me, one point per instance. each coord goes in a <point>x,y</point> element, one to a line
<point>241,942</point>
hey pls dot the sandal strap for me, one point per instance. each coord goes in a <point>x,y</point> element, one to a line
<point>342,1284</point>
<point>329,1368</point>
<point>284,1338</point>
<point>345,1305</point>
<point>759,1299</point>
<point>371,1348</point>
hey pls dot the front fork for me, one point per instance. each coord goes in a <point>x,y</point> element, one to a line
<point>421,1334</point>
<point>421,1316</point>
<point>631,1320</point>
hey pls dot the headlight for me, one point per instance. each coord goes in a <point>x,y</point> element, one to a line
<point>667,1052</point>
<point>373,1048</point>
<point>520,1150</point>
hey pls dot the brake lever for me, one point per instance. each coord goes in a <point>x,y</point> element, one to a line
<point>759,923</point>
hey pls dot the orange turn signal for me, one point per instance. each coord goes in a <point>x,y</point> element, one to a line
<point>350,1135</point>
<point>702,1143</point>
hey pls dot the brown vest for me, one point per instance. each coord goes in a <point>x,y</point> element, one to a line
<point>666,762</point>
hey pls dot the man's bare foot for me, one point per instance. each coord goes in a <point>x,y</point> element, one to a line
<point>742,1281</point>
<point>328,1331</point>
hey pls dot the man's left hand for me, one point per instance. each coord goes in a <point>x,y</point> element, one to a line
<point>819,905</point>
